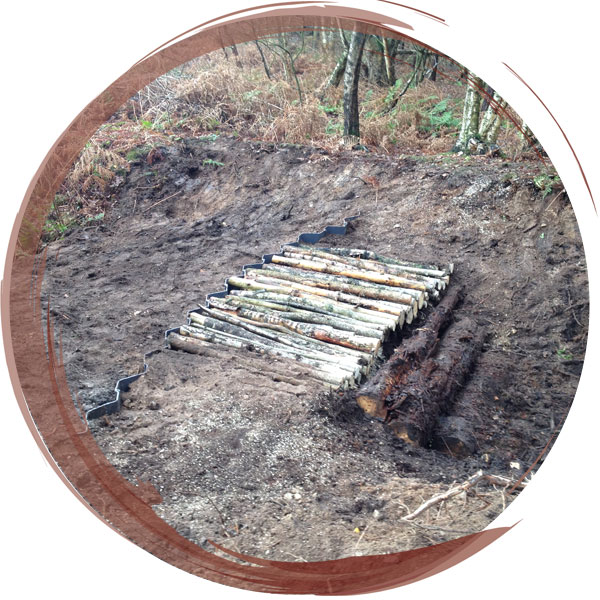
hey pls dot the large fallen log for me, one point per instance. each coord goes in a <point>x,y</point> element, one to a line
<point>372,395</point>
<point>415,405</point>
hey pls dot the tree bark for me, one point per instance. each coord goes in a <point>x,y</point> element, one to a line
<point>325,333</point>
<point>414,267</point>
<point>375,60</point>
<point>305,316</point>
<point>318,304</point>
<point>372,276</point>
<point>406,358</point>
<point>264,60</point>
<point>469,130</point>
<point>415,407</point>
<point>335,78</point>
<point>400,310</point>
<point>434,280</point>
<point>492,119</point>
<point>389,47</point>
<point>434,67</point>
<point>351,79</point>
<point>287,337</point>
<point>336,375</point>
<point>346,284</point>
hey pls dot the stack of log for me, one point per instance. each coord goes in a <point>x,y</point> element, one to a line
<point>329,309</point>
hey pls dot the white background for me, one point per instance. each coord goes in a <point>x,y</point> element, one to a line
<point>58,56</point>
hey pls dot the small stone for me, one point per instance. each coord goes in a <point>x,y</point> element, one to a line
<point>154,406</point>
<point>288,496</point>
<point>297,496</point>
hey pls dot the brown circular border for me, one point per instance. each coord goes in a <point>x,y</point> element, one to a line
<point>38,375</point>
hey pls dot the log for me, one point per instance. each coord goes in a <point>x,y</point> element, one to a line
<point>305,316</point>
<point>290,338</point>
<point>413,266</point>
<point>226,324</point>
<point>435,279</point>
<point>415,406</point>
<point>285,371</point>
<point>327,372</point>
<point>304,300</point>
<point>454,436</point>
<point>345,284</point>
<point>372,276</point>
<point>372,395</point>
<point>320,332</point>
<point>400,310</point>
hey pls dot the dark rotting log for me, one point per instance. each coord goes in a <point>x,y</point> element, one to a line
<point>415,405</point>
<point>406,358</point>
<point>453,435</point>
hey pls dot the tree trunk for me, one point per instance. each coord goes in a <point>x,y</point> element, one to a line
<point>351,79</point>
<point>336,76</point>
<point>375,60</point>
<point>373,394</point>
<point>389,47</point>
<point>469,130</point>
<point>415,407</point>
<point>434,67</point>
<point>264,60</point>
<point>492,119</point>
<point>238,62</point>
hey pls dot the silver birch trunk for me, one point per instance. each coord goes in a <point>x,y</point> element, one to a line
<point>469,129</point>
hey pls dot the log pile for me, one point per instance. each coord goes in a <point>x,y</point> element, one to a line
<point>329,309</point>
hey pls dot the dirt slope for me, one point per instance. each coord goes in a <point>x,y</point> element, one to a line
<point>267,466</point>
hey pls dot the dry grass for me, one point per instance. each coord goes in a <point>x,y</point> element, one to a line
<point>221,93</point>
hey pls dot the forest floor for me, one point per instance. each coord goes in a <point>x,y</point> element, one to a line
<point>276,469</point>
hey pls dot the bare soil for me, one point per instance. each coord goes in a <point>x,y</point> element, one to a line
<point>264,463</point>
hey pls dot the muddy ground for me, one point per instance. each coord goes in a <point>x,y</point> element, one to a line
<point>267,465</point>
